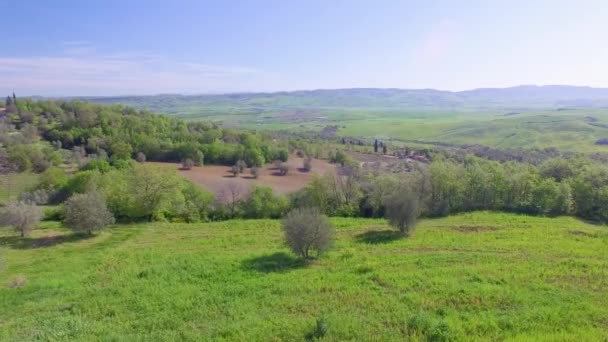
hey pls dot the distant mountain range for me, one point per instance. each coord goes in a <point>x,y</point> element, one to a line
<point>525,96</point>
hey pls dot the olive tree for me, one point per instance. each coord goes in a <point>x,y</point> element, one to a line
<point>187,164</point>
<point>283,169</point>
<point>23,217</point>
<point>140,157</point>
<point>307,164</point>
<point>402,209</point>
<point>241,165</point>
<point>306,230</point>
<point>234,170</point>
<point>255,173</point>
<point>87,212</point>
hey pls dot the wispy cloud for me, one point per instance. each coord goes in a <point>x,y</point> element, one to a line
<point>81,70</point>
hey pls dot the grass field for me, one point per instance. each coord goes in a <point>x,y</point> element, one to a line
<point>478,276</point>
<point>11,185</point>
<point>572,130</point>
<point>500,122</point>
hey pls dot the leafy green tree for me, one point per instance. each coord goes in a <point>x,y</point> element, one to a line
<point>262,203</point>
<point>121,150</point>
<point>100,165</point>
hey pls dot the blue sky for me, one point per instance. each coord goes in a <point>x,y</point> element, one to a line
<point>60,48</point>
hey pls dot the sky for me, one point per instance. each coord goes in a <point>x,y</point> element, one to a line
<point>96,48</point>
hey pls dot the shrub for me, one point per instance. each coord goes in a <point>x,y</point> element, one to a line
<point>234,170</point>
<point>199,158</point>
<point>53,214</point>
<point>306,230</point>
<point>100,165</point>
<point>87,212</point>
<point>121,150</point>
<point>262,203</point>
<point>241,165</point>
<point>338,158</point>
<point>52,179</point>
<point>121,164</point>
<point>38,197</point>
<point>254,172</point>
<point>319,331</point>
<point>187,164</point>
<point>283,155</point>
<point>283,169</point>
<point>307,164</point>
<point>402,210</point>
<point>21,216</point>
<point>141,157</point>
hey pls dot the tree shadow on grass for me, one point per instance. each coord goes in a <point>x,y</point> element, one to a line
<point>379,236</point>
<point>277,262</point>
<point>17,242</point>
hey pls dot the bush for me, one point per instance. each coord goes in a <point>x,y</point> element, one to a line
<point>100,165</point>
<point>283,155</point>
<point>254,172</point>
<point>87,212</point>
<point>307,164</point>
<point>187,164</point>
<point>37,197</point>
<point>52,179</point>
<point>283,169</point>
<point>306,230</point>
<point>21,216</point>
<point>402,210</point>
<point>53,214</point>
<point>262,203</point>
<point>241,165</point>
<point>234,170</point>
<point>141,157</point>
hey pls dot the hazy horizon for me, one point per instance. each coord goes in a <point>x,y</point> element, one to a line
<point>70,48</point>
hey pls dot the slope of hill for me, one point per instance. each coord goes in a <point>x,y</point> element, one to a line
<point>563,117</point>
<point>403,99</point>
<point>478,276</point>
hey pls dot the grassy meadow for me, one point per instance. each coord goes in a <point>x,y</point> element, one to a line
<point>12,184</point>
<point>570,130</point>
<point>477,276</point>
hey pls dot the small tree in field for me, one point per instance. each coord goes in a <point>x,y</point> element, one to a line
<point>307,165</point>
<point>234,170</point>
<point>187,164</point>
<point>87,212</point>
<point>241,165</point>
<point>306,230</point>
<point>402,210</point>
<point>141,157</point>
<point>255,173</point>
<point>283,169</point>
<point>21,216</point>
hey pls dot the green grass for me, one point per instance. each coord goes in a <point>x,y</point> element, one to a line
<point>478,276</point>
<point>11,185</point>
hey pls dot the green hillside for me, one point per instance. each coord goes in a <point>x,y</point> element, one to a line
<point>478,276</point>
<point>563,117</point>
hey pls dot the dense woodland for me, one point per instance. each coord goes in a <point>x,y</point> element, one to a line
<point>110,144</point>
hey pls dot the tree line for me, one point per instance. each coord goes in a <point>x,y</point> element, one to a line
<point>118,132</point>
